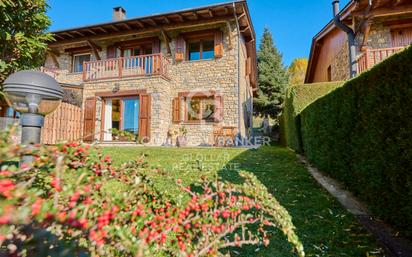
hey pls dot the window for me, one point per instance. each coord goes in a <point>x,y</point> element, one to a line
<point>200,109</point>
<point>78,61</point>
<point>329,73</point>
<point>201,50</point>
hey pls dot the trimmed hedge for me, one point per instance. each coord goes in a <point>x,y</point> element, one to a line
<point>297,98</point>
<point>361,134</point>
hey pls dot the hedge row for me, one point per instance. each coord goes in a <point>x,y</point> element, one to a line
<point>361,134</point>
<point>297,98</point>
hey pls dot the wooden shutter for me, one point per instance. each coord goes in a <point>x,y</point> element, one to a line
<point>180,48</point>
<point>218,44</point>
<point>176,110</point>
<point>156,58</point>
<point>89,119</point>
<point>111,52</point>
<point>145,117</point>
<point>248,66</point>
<point>218,108</point>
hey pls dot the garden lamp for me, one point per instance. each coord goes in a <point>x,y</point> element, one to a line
<point>33,94</point>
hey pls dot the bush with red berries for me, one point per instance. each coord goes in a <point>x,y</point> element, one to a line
<point>73,202</point>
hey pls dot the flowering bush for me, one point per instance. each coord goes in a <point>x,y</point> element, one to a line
<point>71,201</point>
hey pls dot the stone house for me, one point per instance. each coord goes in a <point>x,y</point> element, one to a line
<point>193,69</point>
<point>380,27</point>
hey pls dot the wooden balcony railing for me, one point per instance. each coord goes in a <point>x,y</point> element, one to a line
<point>124,67</point>
<point>371,57</point>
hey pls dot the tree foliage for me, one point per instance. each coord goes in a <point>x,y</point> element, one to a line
<point>297,71</point>
<point>273,78</point>
<point>23,36</point>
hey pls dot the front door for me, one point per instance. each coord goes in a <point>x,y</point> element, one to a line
<point>120,114</point>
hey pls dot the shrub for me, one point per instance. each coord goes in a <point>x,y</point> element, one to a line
<point>73,202</point>
<point>361,134</point>
<point>297,98</point>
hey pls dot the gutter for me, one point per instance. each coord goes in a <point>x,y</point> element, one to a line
<point>238,67</point>
<point>353,66</point>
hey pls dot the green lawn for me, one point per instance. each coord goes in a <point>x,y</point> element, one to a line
<point>324,227</point>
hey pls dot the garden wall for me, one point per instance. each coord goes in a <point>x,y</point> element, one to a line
<point>361,134</point>
<point>297,98</point>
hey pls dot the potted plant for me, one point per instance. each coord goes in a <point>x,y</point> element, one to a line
<point>181,140</point>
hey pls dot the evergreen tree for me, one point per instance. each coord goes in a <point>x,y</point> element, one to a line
<point>273,78</point>
<point>23,36</point>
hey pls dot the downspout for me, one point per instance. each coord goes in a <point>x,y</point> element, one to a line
<point>353,67</point>
<point>238,67</point>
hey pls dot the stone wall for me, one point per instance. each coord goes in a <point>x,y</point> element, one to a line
<point>379,37</point>
<point>340,65</point>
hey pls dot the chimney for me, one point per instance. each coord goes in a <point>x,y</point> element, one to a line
<point>119,13</point>
<point>335,7</point>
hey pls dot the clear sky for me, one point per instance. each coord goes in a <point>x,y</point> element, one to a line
<point>293,23</point>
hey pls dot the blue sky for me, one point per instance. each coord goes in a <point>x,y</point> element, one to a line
<point>293,23</point>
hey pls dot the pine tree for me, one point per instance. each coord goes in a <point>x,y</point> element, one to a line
<point>273,78</point>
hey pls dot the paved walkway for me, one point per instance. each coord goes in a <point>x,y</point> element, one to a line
<point>394,246</point>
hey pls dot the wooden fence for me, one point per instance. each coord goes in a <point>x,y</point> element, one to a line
<point>64,124</point>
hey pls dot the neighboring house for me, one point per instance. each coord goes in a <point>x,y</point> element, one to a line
<point>381,28</point>
<point>149,75</point>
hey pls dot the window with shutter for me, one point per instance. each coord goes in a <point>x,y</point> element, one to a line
<point>218,44</point>
<point>145,117</point>
<point>176,110</point>
<point>200,107</point>
<point>180,48</point>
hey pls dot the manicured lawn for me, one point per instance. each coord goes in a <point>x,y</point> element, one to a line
<point>324,227</point>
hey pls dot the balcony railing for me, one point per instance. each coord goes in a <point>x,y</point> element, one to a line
<point>371,57</point>
<point>126,67</point>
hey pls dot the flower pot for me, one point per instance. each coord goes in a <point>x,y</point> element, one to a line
<point>181,141</point>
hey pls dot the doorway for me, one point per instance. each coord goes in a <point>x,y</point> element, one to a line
<point>120,114</point>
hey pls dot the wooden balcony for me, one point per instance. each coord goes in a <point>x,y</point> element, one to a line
<point>126,67</point>
<point>371,57</point>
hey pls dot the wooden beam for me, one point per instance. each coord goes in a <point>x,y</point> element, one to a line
<point>196,15</point>
<point>151,22</point>
<point>366,31</point>
<point>226,10</point>
<point>245,29</point>
<point>102,29</point>
<point>241,16</point>
<point>148,30</point>
<point>114,27</point>
<point>54,59</point>
<point>78,33</point>
<point>211,14</point>
<point>182,19</point>
<point>383,12</point>
<point>95,49</point>
<point>91,31</point>
<point>126,26</point>
<point>167,41</point>
<point>68,34</point>
<point>167,21</point>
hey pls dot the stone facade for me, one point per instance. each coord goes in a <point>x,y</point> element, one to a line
<point>379,37</point>
<point>225,75</point>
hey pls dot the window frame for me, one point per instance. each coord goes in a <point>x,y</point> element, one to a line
<point>201,41</point>
<point>74,61</point>
<point>200,119</point>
